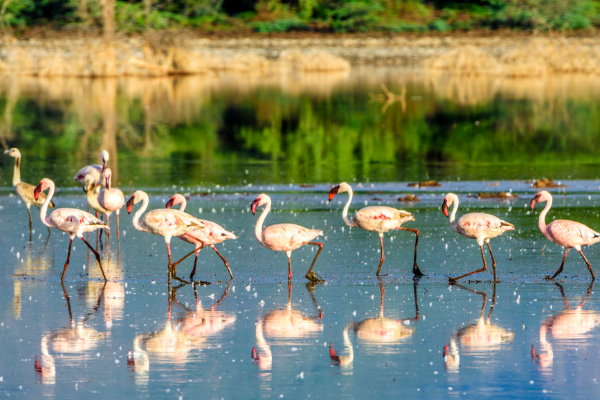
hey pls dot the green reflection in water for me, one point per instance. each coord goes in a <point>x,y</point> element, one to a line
<point>241,129</point>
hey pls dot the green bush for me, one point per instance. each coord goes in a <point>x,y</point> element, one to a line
<point>355,16</point>
<point>282,25</point>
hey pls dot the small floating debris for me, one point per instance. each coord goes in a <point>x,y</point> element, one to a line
<point>376,199</point>
<point>408,197</point>
<point>500,195</point>
<point>493,183</point>
<point>425,184</point>
<point>546,183</point>
<point>202,194</point>
<point>304,185</point>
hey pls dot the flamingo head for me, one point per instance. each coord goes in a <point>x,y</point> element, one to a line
<point>104,159</point>
<point>445,207</point>
<point>134,199</point>
<point>106,178</point>
<point>259,201</point>
<point>341,188</point>
<point>89,183</point>
<point>174,200</point>
<point>14,152</point>
<point>449,199</point>
<point>540,197</point>
<point>43,185</point>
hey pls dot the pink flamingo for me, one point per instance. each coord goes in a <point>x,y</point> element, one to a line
<point>25,190</point>
<point>95,169</point>
<point>479,226</point>
<point>378,219</point>
<point>110,199</point>
<point>165,223</point>
<point>285,237</point>
<point>211,234</point>
<point>565,233</point>
<point>69,220</point>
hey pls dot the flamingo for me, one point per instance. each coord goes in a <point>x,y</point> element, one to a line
<point>69,220</point>
<point>25,190</point>
<point>111,199</point>
<point>95,169</point>
<point>565,233</point>
<point>165,223</point>
<point>92,190</point>
<point>380,219</point>
<point>285,237</point>
<point>212,234</point>
<point>480,226</point>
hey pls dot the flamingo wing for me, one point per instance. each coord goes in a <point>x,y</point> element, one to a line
<point>112,199</point>
<point>94,170</point>
<point>25,191</point>
<point>71,219</point>
<point>482,221</point>
<point>289,236</point>
<point>576,233</point>
<point>168,220</point>
<point>381,218</point>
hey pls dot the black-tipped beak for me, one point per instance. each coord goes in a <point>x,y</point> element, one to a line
<point>37,191</point>
<point>334,190</point>
<point>130,204</point>
<point>254,205</point>
<point>170,203</point>
<point>534,201</point>
<point>7,152</point>
<point>445,208</point>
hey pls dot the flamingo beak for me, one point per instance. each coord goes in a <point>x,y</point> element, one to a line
<point>255,355</point>
<point>446,350</point>
<point>7,152</point>
<point>254,204</point>
<point>107,182</point>
<point>130,203</point>
<point>37,191</point>
<point>534,200</point>
<point>170,203</point>
<point>445,208</point>
<point>333,192</point>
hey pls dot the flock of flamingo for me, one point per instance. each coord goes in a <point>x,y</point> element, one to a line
<point>169,223</point>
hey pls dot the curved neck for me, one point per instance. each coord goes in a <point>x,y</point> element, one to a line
<point>259,224</point>
<point>17,171</point>
<point>138,214</point>
<point>44,208</point>
<point>453,214</point>
<point>183,204</point>
<point>92,198</point>
<point>346,207</point>
<point>542,217</point>
<point>265,361</point>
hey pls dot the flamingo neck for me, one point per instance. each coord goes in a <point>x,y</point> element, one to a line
<point>183,204</point>
<point>44,209</point>
<point>542,217</point>
<point>259,224</point>
<point>348,346</point>
<point>138,214</point>
<point>266,358</point>
<point>17,172</point>
<point>453,214</point>
<point>92,199</point>
<point>348,221</point>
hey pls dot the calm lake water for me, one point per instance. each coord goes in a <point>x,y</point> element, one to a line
<point>222,140</point>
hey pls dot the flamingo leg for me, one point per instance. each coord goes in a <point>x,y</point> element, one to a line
<point>453,280</point>
<point>310,275</point>
<point>194,270</point>
<point>108,230</point>
<point>289,253</point>
<point>68,260</point>
<point>493,262</point>
<point>562,266</point>
<point>97,257</point>
<point>118,230</point>
<point>169,253</point>
<point>588,265</point>
<point>30,223</point>
<point>416,270</point>
<point>382,254</point>
<point>226,263</point>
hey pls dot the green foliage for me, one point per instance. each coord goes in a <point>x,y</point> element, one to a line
<point>282,25</point>
<point>355,16</point>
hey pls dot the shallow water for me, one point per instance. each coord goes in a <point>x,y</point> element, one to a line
<point>73,341</point>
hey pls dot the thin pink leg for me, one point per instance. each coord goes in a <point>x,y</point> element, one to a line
<point>68,260</point>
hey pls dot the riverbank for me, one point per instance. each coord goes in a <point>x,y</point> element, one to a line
<point>159,55</point>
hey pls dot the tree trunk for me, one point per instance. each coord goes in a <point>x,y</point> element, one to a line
<point>108,26</point>
<point>147,10</point>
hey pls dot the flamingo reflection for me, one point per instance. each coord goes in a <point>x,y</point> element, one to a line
<point>571,323</point>
<point>480,336</point>
<point>30,265</point>
<point>378,331</point>
<point>286,324</point>
<point>176,341</point>
<point>71,342</point>
<point>114,290</point>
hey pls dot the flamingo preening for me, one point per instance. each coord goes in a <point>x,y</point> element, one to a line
<point>285,237</point>
<point>69,220</point>
<point>95,170</point>
<point>25,190</point>
<point>479,226</point>
<point>378,219</point>
<point>210,235</point>
<point>165,223</point>
<point>565,233</point>
<point>111,199</point>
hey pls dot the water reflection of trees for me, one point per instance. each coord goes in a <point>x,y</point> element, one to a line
<point>322,127</point>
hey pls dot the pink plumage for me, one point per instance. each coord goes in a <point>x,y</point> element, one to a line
<point>111,199</point>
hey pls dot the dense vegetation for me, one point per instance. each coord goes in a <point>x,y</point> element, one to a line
<point>304,15</point>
